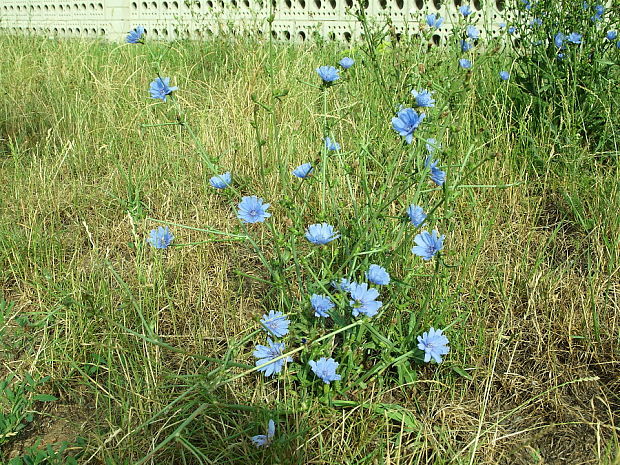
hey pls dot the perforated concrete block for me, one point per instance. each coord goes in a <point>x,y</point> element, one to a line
<point>293,19</point>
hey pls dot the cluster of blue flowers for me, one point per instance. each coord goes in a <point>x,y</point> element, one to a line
<point>599,11</point>
<point>563,40</point>
<point>306,169</point>
<point>331,145</point>
<point>359,296</point>
<point>330,74</point>
<point>407,120</point>
<point>560,39</point>
<point>471,36</point>
<point>434,21</point>
<point>362,297</point>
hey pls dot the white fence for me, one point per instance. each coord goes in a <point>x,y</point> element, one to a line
<point>293,19</point>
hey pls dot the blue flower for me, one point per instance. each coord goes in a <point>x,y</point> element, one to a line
<point>329,74</point>
<point>502,25</point>
<point>344,285</point>
<point>407,121</point>
<point>321,305</point>
<point>599,11</point>
<point>321,233</point>
<point>434,21</point>
<point>135,35</point>
<point>512,30</point>
<point>303,171</point>
<point>424,98</point>
<point>266,354</point>
<point>161,237</point>
<point>275,323</point>
<point>585,5</point>
<point>416,215</point>
<point>504,75</point>
<point>527,4</point>
<point>261,440</point>
<point>473,32</point>
<point>325,368</point>
<point>427,244</point>
<point>465,10</point>
<point>432,144</point>
<point>536,22</point>
<point>574,38</point>
<point>221,181</point>
<point>611,35</point>
<point>331,144</point>
<point>363,300</point>
<point>253,210</point>
<point>378,275</point>
<point>346,62</point>
<point>618,44</point>
<point>466,46</point>
<point>434,344</point>
<point>160,87</point>
<point>437,176</point>
<point>559,39</point>
<point>465,63</point>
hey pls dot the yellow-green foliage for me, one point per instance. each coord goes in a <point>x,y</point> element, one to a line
<point>533,301</point>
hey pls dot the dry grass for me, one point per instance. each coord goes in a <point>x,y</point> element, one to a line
<point>537,305</point>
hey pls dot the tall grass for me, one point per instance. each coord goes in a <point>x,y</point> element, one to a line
<point>137,341</point>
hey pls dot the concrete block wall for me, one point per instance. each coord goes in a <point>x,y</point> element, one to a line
<point>75,18</point>
<point>294,20</point>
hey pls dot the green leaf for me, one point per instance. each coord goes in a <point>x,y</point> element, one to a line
<point>392,411</point>
<point>459,371</point>
<point>399,414</point>
<point>405,374</point>
<point>44,398</point>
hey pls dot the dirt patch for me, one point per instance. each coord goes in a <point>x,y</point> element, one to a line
<point>63,423</point>
<point>557,445</point>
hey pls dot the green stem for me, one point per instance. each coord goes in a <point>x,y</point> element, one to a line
<point>427,297</point>
<point>192,228</point>
<point>259,143</point>
<point>289,353</point>
<point>324,152</point>
<point>175,434</point>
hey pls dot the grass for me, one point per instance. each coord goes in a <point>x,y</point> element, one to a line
<point>128,334</point>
